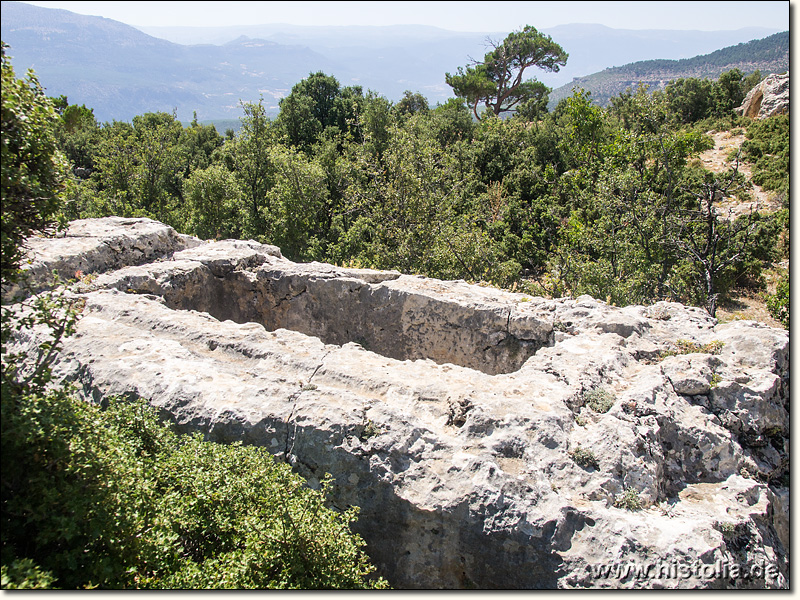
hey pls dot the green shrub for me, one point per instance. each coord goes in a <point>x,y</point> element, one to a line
<point>25,575</point>
<point>115,499</point>
<point>584,457</point>
<point>767,146</point>
<point>599,400</point>
<point>629,500</point>
<point>778,303</point>
<point>32,171</point>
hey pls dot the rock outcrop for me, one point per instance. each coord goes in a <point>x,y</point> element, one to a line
<point>768,98</point>
<point>492,439</point>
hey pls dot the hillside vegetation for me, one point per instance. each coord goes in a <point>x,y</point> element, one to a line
<point>608,202</point>
<point>768,55</point>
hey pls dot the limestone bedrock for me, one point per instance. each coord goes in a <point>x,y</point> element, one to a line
<point>492,439</point>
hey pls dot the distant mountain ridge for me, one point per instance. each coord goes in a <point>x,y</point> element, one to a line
<point>121,71</point>
<point>768,55</point>
<point>591,47</point>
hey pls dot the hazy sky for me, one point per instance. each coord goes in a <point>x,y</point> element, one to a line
<point>458,16</point>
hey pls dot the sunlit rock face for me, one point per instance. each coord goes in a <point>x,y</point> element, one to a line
<point>768,98</point>
<point>491,439</point>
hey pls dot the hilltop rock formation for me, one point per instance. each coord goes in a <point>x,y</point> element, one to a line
<point>492,439</point>
<point>768,98</point>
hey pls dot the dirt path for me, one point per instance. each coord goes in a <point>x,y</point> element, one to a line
<point>717,160</point>
<point>747,307</point>
<point>750,306</point>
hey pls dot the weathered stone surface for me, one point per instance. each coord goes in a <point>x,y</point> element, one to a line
<point>460,418</point>
<point>98,245</point>
<point>768,98</point>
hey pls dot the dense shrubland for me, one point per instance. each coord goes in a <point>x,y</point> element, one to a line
<point>114,499</point>
<point>610,202</point>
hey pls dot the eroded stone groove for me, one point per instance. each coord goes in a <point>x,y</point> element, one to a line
<point>401,317</point>
<point>514,472</point>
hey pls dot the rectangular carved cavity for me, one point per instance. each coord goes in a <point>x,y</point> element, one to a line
<point>401,317</point>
